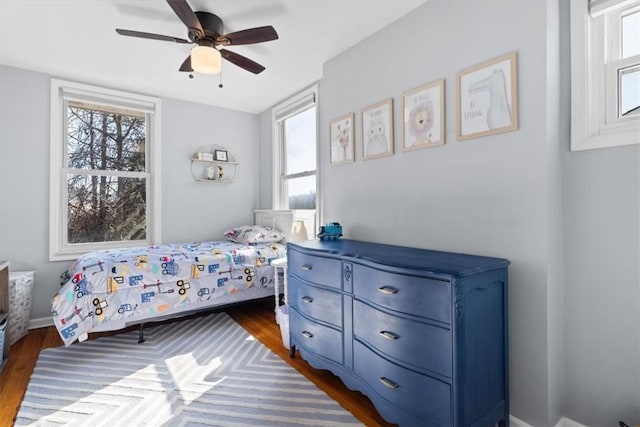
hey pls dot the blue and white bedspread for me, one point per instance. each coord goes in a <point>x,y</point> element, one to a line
<point>106,290</point>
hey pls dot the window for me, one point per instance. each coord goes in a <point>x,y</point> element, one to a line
<point>295,153</point>
<point>605,73</point>
<point>104,160</point>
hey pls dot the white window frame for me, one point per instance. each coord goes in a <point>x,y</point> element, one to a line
<point>594,85</point>
<point>61,92</point>
<point>290,107</point>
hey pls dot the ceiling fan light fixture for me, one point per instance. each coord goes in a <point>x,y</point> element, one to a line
<point>206,60</point>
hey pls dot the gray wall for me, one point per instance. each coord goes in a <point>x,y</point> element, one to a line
<point>494,196</point>
<point>265,151</point>
<point>568,221</point>
<point>190,210</point>
<point>602,316</point>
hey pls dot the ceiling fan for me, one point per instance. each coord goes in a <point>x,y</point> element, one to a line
<point>205,31</point>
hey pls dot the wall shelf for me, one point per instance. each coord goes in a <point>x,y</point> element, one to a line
<point>215,164</point>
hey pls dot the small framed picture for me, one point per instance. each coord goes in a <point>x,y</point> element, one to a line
<point>487,98</point>
<point>342,141</point>
<point>423,116</point>
<point>220,155</point>
<point>377,130</point>
<point>203,156</point>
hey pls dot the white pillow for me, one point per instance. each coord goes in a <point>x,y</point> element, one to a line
<point>253,234</point>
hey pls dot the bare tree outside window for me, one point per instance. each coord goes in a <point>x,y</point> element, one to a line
<point>106,179</point>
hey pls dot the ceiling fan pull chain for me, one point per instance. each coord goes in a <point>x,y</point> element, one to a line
<point>220,84</point>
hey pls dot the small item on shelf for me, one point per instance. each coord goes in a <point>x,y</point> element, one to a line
<point>204,156</point>
<point>221,155</point>
<point>220,172</point>
<point>211,173</point>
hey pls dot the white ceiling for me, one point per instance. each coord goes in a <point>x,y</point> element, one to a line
<point>76,40</point>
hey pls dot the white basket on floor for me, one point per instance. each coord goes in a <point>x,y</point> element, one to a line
<point>20,300</point>
<point>282,318</point>
<point>3,329</point>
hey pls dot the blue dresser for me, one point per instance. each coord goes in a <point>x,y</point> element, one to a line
<point>422,333</point>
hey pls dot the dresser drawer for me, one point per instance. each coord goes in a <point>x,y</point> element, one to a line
<point>407,294</point>
<point>315,269</point>
<point>421,395</point>
<point>424,346</point>
<point>320,304</point>
<point>318,339</point>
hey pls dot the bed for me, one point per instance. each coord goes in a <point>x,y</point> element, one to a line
<point>111,289</point>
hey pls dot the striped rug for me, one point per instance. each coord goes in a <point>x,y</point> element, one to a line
<point>198,372</point>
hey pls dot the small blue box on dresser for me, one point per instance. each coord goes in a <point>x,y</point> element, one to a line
<point>422,333</point>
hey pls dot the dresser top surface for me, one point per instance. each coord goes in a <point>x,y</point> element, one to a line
<point>448,263</point>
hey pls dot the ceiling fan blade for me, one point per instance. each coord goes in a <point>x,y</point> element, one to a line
<point>143,35</point>
<point>249,36</point>
<point>187,16</point>
<point>242,61</point>
<point>186,65</point>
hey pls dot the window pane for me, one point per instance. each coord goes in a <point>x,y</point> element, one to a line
<point>629,79</point>
<point>105,140</point>
<point>300,142</point>
<point>301,192</point>
<point>106,208</point>
<point>631,35</point>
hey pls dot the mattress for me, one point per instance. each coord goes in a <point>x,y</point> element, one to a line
<point>110,289</point>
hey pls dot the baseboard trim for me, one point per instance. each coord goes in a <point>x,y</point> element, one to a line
<point>517,422</point>
<point>566,422</point>
<point>41,322</point>
<point>563,422</point>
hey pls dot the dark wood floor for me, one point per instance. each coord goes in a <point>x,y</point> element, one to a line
<point>256,317</point>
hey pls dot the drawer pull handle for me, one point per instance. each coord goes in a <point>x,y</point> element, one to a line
<point>388,383</point>
<point>389,335</point>
<point>307,334</point>
<point>306,267</point>
<point>388,290</point>
<point>307,299</point>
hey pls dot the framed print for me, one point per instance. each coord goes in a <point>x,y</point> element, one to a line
<point>487,98</point>
<point>204,156</point>
<point>423,116</point>
<point>377,130</point>
<point>341,134</point>
<point>220,155</point>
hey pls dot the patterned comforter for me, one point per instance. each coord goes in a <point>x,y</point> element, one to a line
<point>130,284</point>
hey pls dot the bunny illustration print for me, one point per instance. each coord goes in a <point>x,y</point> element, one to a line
<point>377,141</point>
<point>377,130</point>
